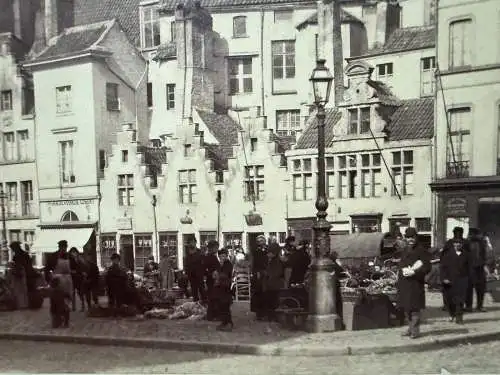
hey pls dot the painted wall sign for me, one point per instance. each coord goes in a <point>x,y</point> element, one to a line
<point>456,206</point>
<point>124,223</point>
<point>72,202</point>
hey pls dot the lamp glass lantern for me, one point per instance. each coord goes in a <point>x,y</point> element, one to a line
<point>321,79</point>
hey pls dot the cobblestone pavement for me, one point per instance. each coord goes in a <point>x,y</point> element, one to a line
<point>29,357</point>
<point>247,330</point>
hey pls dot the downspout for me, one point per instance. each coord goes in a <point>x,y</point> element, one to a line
<point>262,91</point>
<point>39,258</point>
<point>434,198</point>
<point>185,69</point>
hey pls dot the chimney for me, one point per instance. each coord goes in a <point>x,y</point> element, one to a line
<point>195,81</point>
<point>16,8</point>
<point>51,19</point>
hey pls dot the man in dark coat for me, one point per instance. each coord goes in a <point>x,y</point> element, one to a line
<point>195,270</point>
<point>458,240</point>
<point>258,267</point>
<point>52,259</point>
<point>116,282</point>
<point>299,262</point>
<point>455,267</point>
<point>273,281</point>
<point>211,264</point>
<point>477,277</point>
<point>414,265</point>
<point>90,285</point>
<point>220,293</point>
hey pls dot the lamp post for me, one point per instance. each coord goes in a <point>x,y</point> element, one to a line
<point>157,251</point>
<point>322,307</point>
<point>218,199</point>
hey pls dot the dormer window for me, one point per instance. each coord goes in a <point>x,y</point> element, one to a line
<point>283,15</point>
<point>239,27</point>
<point>6,100</point>
<point>384,71</point>
<point>359,120</point>
<point>219,177</point>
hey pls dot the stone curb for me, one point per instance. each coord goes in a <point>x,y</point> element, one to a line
<point>258,350</point>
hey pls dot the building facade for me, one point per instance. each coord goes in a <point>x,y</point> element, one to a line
<point>466,181</point>
<point>18,181</point>
<point>87,83</point>
<point>378,151</point>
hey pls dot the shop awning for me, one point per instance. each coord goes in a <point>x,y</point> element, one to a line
<point>46,239</point>
<point>357,245</point>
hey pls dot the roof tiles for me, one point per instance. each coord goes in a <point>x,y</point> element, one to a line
<point>345,17</point>
<point>222,127</point>
<point>309,138</point>
<point>414,119</point>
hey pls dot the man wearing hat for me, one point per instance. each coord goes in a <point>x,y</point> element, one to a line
<point>60,264</point>
<point>414,265</point>
<point>477,278</point>
<point>211,264</point>
<point>195,270</point>
<point>258,267</point>
<point>273,281</point>
<point>457,242</point>
<point>116,282</point>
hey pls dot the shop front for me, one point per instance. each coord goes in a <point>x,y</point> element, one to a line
<point>472,203</point>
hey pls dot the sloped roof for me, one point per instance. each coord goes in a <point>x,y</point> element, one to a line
<point>166,51</point>
<point>309,138</point>
<point>284,142</point>
<point>414,119</point>
<point>384,93</point>
<point>345,17</point>
<point>219,155</point>
<point>125,11</point>
<point>169,5</point>
<point>407,39</point>
<point>74,40</point>
<point>222,127</point>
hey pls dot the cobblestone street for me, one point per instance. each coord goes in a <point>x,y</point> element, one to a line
<point>54,358</point>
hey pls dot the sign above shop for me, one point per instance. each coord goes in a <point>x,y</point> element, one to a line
<point>456,206</point>
<point>124,223</point>
<point>71,202</point>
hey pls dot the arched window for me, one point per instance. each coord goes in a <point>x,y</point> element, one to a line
<point>69,216</point>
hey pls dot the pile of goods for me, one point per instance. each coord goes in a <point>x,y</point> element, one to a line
<point>188,310</point>
<point>155,297</point>
<point>382,286</point>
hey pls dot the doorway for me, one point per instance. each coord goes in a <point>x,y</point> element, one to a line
<point>186,238</point>
<point>127,251</point>
<point>489,222</point>
<point>252,240</point>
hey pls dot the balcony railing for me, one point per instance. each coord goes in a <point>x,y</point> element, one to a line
<point>457,169</point>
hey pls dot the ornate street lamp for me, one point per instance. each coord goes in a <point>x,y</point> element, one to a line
<point>322,295</point>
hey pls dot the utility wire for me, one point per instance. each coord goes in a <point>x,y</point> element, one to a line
<point>448,124</point>
<point>246,159</point>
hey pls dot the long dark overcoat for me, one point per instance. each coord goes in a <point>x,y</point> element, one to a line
<point>259,262</point>
<point>456,269</point>
<point>411,290</point>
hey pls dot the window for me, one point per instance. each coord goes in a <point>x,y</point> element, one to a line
<point>205,237</point>
<point>6,100</point>
<point>29,237</point>
<point>108,248</point>
<point>283,59</point>
<point>173,33</point>
<point>402,170</point>
<point>460,43</point>
<point>366,224</point>
<point>458,156</point>
<point>371,176</point>
<point>423,224</point>
<point>283,15</point>
<point>302,180</point>
<point>63,99</point>
<point>28,101</point>
<point>150,26</point>
<point>398,225</point>
<point>22,144</point>
<point>66,162</point>
<point>219,177</point>
<point>240,76</point>
<point>69,216</point>
<point>384,71</point>
<point>149,93</point>
<point>253,144</point>
<point>348,176</point>
<point>112,99</point>
<point>14,235</point>
<point>239,27</point>
<point>254,182</point>
<point>124,156</point>
<point>187,186</point>
<point>427,78</point>
<point>188,151</point>
<point>330,177</point>
<point>9,146</point>
<point>287,122</point>
<point>168,245</point>
<point>232,240</point>
<point>170,95</point>
<point>126,189</point>
<point>11,195</point>
<point>27,198</point>
<point>143,250</point>
<point>359,120</point>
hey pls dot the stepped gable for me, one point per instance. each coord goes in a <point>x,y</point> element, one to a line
<point>345,17</point>
<point>414,119</point>
<point>153,159</point>
<point>284,142</point>
<point>75,40</point>
<point>309,138</point>
<point>166,51</point>
<point>384,93</point>
<point>125,11</point>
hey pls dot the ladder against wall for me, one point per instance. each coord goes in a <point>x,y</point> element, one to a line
<point>242,282</point>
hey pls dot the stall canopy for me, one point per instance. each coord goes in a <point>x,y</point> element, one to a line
<point>46,239</point>
<point>357,245</point>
